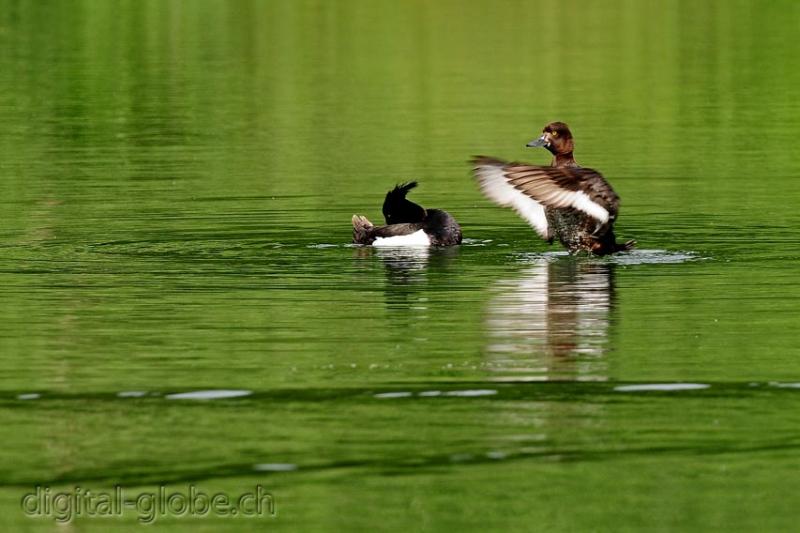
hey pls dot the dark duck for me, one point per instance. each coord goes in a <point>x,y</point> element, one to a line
<point>564,201</point>
<point>407,224</point>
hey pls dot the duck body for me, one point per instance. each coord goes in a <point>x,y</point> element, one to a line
<point>407,224</point>
<point>575,231</point>
<point>564,201</point>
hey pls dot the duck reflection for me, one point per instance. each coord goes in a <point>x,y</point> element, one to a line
<point>411,264</point>
<point>408,271</point>
<point>552,322</point>
<point>404,265</point>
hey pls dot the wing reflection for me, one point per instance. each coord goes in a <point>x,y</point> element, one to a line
<point>552,322</point>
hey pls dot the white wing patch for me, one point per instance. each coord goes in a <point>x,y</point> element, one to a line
<point>418,238</point>
<point>494,185</point>
<point>579,200</point>
<point>529,190</point>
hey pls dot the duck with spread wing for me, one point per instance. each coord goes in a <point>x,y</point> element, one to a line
<point>564,201</point>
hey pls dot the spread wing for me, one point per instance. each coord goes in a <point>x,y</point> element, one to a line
<point>529,189</point>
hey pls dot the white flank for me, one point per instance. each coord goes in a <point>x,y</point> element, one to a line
<point>583,203</point>
<point>494,185</point>
<point>418,238</point>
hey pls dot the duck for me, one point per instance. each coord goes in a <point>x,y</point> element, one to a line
<point>407,223</point>
<point>564,201</point>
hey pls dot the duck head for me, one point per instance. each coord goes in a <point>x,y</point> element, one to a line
<point>556,137</point>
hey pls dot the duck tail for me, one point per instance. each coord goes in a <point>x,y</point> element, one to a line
<point>627,245</point>
<point>362,230</point>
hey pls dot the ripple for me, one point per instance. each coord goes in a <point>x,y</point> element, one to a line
<point>634,257</point>
<point>654,257</point>
<point>784,385</point>
<point>131,394</point>
<point>661,387</point>
<point>410,257</point>
<point>274,467</point>
<point>208,394</point>
<point>468,393</point>
<point>29,396</point>
<point>496,455</point>
<point>471,393</point>
<point>401,394</point>
<point>541,257</point>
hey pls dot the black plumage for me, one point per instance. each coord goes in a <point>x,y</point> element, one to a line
<point>404,217</point>
<point>397,209</point>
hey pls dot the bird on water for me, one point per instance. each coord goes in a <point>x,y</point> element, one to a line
<point>407,223</point>
<point>564,201</point>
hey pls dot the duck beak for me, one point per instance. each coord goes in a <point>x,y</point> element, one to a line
<point>541,141</point>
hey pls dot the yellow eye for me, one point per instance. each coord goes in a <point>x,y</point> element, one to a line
<point>554,134</point>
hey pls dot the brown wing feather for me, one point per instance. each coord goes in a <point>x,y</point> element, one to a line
<point>394,230</point>
<point>547,185</point>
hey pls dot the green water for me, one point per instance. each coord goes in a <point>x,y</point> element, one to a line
<point>177,185</point>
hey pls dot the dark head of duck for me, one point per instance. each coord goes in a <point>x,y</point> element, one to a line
<point>399,210</point>
<point>557,138</point>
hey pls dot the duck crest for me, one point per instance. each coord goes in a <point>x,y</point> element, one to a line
<point>397,209</point>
